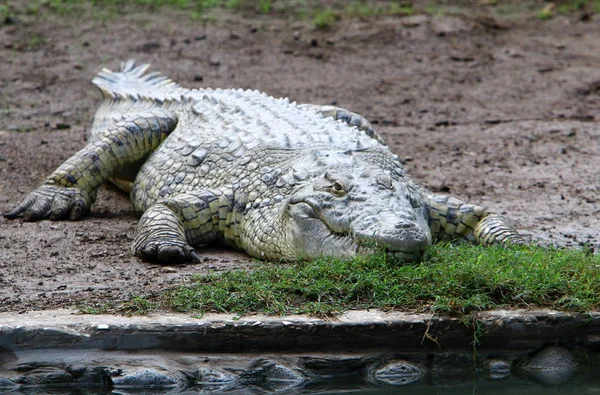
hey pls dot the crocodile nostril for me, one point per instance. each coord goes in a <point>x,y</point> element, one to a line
<point>404,225</point>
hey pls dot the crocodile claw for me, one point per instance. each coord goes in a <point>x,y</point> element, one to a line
<point>167,253</point>
<point>54,202</point>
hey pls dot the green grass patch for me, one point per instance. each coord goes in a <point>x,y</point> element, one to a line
<point>568,7</point>
<point>452,280</point>
<point>324,19</point>
<point>434,10</point>
<point>547,12</point>
<point>112,8</point>
<point>137,305</point>
<point>358,9</point>
<point>592,6</point>
<point>402,10</point>
<point>201,9</point>
<point>12,10</point>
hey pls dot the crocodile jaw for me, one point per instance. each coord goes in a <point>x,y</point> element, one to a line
<point>312,238</point>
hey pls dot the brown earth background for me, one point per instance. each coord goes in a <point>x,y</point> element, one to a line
<point>499,110</point>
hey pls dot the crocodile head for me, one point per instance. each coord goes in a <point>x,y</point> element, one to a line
<point>351,206</point>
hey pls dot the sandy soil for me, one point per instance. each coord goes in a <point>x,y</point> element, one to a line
<point>505,114</point>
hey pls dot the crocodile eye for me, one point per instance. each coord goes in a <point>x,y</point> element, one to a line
<point>338,189</point>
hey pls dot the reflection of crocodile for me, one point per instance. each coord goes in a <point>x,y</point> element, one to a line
<point>279,180</point>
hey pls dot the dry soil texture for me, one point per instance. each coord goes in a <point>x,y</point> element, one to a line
<point>504,114</point>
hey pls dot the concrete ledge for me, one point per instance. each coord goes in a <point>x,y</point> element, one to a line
<point>176,351</point>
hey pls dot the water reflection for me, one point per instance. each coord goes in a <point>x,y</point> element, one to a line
<point>584,384</point>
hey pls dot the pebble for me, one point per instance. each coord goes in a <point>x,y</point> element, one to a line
<point>62,125</point>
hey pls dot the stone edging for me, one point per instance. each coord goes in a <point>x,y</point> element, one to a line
<point>63,348</point>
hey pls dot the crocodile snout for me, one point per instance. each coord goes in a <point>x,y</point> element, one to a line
<point>404,236</point>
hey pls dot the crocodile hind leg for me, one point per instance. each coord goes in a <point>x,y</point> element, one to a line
<point>451,219</point>
<point>71,189</point>
<point>341,114</point>
<point>169,228</point>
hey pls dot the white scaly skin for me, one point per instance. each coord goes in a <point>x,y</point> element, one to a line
<point>280,181</point>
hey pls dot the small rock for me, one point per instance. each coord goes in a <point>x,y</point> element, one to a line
<point>214,60</point>
<point>102,327</point>
<point>46,376</point>
<point>444,26</point>
<point>168,269</point>
<point>234,35</point>
<point>150,47</point>
<point>212,376</point>
<point>398,373</point>
<point>461,57</point>
<point>272,377</point>
<point>498,369</point>
<point>545,69</point>
<point>552,366</point>
<point>200,37</point>
<point>145,379</point>
<point>414,20</point>
<point>62,125</point>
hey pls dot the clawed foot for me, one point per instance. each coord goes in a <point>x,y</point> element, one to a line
<point>53,202</point>
<point>165,252</point>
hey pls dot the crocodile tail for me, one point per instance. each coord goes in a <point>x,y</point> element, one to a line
<point>132,81</point>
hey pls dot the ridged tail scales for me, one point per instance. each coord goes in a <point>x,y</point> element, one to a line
<point>71,189</point>
<point>132,81</point>
<point>496,229</point>
<point>452,219</point>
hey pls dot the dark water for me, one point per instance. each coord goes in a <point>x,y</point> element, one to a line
<point>588,384</point>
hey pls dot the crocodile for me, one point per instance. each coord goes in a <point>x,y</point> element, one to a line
<point>277,179</point>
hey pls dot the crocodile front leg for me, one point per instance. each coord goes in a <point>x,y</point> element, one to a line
<point>71,189</point>
<point>451,219</point>
<point>169,228</point>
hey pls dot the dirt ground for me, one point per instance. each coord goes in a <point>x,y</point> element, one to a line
<point>504,113</point>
